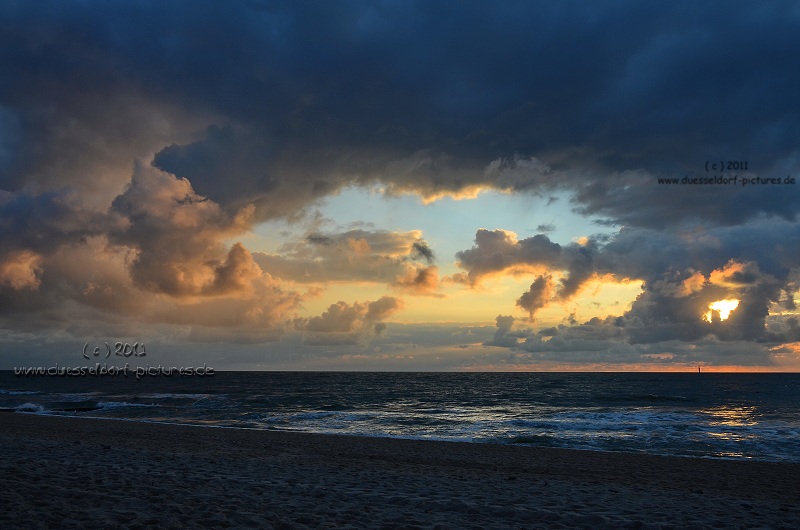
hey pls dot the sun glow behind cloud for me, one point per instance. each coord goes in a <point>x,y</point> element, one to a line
<point>724,307</point>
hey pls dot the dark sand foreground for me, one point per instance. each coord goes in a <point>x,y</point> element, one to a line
<point>71,473</point>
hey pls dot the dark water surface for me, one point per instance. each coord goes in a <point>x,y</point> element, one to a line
<point>742,416</point>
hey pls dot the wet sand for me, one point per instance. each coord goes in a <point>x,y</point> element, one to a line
<point>75,473</point>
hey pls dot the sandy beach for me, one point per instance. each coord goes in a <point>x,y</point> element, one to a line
<point>75,473</point>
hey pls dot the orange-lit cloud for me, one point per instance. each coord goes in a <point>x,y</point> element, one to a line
<point>736,275</point>
<point>344,323</point>
<point>498,251</point>
<point>164,261</point>
<point>20,269</point>
<point>691,285</point>
<point>418,280</point>
<point>178,237</point>
<point>355,255</point>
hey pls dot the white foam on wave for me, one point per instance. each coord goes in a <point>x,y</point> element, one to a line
<point>30,408</point>
<point>118,404</point>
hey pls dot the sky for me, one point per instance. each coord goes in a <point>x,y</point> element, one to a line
<point>401,185</point>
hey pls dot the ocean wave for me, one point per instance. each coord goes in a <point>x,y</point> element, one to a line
<point>651,398</point>
<point>178,395</point>
<point>120,404</point>
<point>30,408</point>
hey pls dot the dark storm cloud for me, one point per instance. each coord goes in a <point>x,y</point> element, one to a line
<point>34,226</point>
<point>432,99</point>
<point>283,103</point>
<point>42,222</point>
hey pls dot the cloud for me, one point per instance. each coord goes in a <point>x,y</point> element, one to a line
<point>177,236</point>
<point>538,296</point>
<point>499,250</point>
<point>43,222</point>
<point>138,145</point>
<point>20,270</point>
<point>299,101</point>
<point>602,344</point>
<point>495,127</point>
<point>235,273</point>
<point>418,280</point>
<point>736,275</point>
<point>157,256</point>
<point>355,255</point>
<point>343,323</point>
<point>504,336</point>
<point>38,230</point>
<point>682,273</point>
<point>422,250</point>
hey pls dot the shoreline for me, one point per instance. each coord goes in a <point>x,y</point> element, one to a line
<point>90,472</point>
<point>392,437</point>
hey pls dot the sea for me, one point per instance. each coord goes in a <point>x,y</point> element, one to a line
<point>743,416</point>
